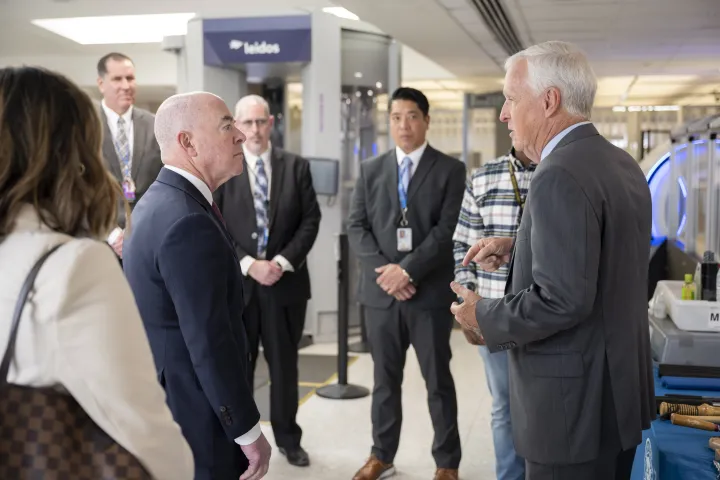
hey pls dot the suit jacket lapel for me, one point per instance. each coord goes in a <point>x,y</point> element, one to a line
<point>139,140</point>
<point>277,167</point>
<point>391,179</point>
<point>427,161</point>
<point>108,148</point>
<point>246,193</point>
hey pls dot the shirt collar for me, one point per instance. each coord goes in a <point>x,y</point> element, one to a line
<point>199,184</point>
<point>556,139</point>
<point>415,155</point>
<point>112,116</point>
<point>518,165</point>
<point>251,158</point>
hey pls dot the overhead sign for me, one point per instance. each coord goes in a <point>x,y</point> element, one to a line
<point>257,40</point>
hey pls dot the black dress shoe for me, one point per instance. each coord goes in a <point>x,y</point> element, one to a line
<point>296,456</point>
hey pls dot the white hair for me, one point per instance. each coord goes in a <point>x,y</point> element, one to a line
<point>565,67</point>
<point>249,101</point>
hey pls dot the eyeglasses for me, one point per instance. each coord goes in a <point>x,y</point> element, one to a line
<point>260,122</point>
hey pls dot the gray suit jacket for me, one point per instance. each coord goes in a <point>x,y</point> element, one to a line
<point>146,162</point>
<point>575,316</point>
<point>434,197</point>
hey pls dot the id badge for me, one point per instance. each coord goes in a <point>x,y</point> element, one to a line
<point>128,187</point>
<point>404,240</point>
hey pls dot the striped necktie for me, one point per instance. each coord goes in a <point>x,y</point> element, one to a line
<point>122,147</point>
<point>261,203</point>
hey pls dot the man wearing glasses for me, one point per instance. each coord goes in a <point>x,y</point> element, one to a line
<point>273,215</point>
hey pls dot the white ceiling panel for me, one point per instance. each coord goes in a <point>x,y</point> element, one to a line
<point>658,49</point>
<point>431,29</point>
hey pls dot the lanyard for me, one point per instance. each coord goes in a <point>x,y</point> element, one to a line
<point>403,202</point>
<point>516,189</point>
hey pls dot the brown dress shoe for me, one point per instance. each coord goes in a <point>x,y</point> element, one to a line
<point>446,474</point>
<point>375,469</point>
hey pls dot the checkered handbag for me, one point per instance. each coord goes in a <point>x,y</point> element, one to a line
<point>46,435</point>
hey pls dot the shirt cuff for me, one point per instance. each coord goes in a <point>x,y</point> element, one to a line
<point>286,266</point>
<point>250,437</point>
<point>114,235</point>
<point>246,263</point>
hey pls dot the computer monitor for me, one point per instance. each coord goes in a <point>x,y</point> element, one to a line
<point>325,173</point>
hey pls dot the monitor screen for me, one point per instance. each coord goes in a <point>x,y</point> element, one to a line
<point>325,175</point>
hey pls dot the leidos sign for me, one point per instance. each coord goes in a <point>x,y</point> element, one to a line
<point>256,48</point>
<point>264,40</point>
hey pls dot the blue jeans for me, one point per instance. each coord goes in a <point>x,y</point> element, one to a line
<point>508,465</point>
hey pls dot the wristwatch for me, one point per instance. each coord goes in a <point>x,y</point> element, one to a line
<point>407,275</point>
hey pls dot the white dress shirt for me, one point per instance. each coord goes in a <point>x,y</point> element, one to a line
<point>556,139</point>
<point>112,120</point>
<point>255,432</point>
<point>415,156</point>
<point>81,331</point>
<point>251,159</point>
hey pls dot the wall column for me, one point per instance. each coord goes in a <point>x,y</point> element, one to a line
<point>321,132</point>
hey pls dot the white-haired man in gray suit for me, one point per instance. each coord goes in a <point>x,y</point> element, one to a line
<point>574,317</point>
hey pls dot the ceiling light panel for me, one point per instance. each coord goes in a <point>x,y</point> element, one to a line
<point>118,29</point>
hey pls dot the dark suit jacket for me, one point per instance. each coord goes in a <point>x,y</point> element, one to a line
<point>294,216</point>
<point>434,197</point>
<point>146,162</point>
<point>183,271</point>
<point>576,310</point>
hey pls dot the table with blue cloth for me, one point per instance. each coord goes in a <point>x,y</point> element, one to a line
<point>673,452</point>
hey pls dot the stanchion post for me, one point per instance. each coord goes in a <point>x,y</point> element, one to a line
<point>343,390</point>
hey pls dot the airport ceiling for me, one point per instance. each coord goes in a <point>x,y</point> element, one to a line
<point>645,52</point>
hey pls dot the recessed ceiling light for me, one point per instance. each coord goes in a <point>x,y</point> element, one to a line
<point>358,74</point>
<point>341,12</point>
<point>118,29</point>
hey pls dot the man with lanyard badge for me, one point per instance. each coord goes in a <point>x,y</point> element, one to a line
<point>492,207</point>
<point>402,217</point>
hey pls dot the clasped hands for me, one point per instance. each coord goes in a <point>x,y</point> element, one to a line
<point>265,272</point>
<point>395,281</point>
<point>489,254</point>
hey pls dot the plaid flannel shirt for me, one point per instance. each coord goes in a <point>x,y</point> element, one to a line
<point>489,209</point>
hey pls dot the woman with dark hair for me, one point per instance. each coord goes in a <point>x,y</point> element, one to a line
<point>80,330</point>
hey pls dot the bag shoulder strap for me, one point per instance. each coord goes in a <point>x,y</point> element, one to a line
<point>22,298</point>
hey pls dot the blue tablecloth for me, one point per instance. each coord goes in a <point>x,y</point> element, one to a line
<point>671,452</point>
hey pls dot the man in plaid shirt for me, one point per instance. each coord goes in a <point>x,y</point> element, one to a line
<point>492,207</point>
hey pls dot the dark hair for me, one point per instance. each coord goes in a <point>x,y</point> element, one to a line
<point>50,155</point>
<point>413,95</point>
<point>102,63</point>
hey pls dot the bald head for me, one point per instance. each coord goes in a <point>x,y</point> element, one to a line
<point>179,113</point>
<point>196,132</point>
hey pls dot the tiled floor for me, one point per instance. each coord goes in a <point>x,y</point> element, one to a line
<point>337,433</point>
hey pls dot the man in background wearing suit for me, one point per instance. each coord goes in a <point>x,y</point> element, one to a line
<point>273,214</point>
<point>129,146</point>
<point>402,218</point>
<point>181,265</point>
<point>574,317</point>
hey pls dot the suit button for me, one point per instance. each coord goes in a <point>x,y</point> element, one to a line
<point>223,409</point>
<point>254,236</point>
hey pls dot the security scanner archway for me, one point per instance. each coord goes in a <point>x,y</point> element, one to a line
<point>327,87</point>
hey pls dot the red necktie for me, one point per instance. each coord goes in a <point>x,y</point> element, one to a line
<point>219,215</point>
